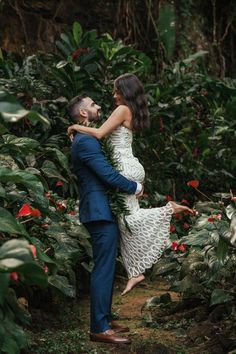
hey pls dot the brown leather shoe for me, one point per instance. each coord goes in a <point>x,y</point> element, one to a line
<point>117,328</point>
<point>109,337</point>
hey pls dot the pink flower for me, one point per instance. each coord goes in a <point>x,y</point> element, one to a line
<point>59,184</point>
<point>33,250</point>
<point>184,201</point>
<point>182,247</point>
<point>46,269</point>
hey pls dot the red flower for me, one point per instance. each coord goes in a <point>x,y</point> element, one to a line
<point>36,213</point>
<point>211,219</point>
<point>194,183</point>
<point>184,201</point>
<point>174,245</point>
<point>182,247</point>
<point>27,210</point>
<point>168,198</point>
<point>172,228</point>
<point>233,199</point>
<point>72,212</point>
<point>78,51</point>
<point>178,216</point>
<point>186,226</point>
<point>59,184</point>
<point>14,276</point>
<point>33,250</point>
<point>61,206</point>
<point>24,211</point>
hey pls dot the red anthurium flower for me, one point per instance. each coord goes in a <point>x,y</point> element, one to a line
<point>33,250</point>
<point>186,226</point>
<point>168,198</point>
<point>14,276</point>
<point>178,216</point>
<point>36,213</point>
<point>59,184</point>
<point>172,228</point>
<point>174,245</point>
<point>24,211</point>
<point>194,183</point>
<point>211,219</point>
<point>182,247</point>
<point>184,201</point>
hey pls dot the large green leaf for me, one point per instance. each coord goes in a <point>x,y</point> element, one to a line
<point>23,143</point>
<point>16,249</point>
<point>219,296</point>
<point>59,155</point>
<point>29,180</point>
<point>4,281</point>
<point>34,274</point>
<point>77,32</point>
<point>12,111</point>
<point>61,283</point>
<point>9,224</point>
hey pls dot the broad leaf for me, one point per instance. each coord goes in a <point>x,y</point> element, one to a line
<point>219,296</point>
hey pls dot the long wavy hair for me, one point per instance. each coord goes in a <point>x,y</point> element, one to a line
<point>132,91</point>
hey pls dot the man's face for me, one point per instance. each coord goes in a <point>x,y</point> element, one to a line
<point>91,111</point>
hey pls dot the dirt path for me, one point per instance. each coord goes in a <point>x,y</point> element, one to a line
<point>129,312</point>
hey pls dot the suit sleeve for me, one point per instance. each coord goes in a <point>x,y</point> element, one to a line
<point>91,154</point>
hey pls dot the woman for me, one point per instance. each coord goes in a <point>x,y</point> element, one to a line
<point>145,231</point>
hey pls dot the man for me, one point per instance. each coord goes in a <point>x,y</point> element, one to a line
<point>96,176</point>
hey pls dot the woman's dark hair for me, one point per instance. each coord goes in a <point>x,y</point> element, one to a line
<point>132,91</point>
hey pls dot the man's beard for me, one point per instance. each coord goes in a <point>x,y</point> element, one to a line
<point>94,117</point>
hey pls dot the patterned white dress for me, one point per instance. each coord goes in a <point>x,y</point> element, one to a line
<point>146,236</point>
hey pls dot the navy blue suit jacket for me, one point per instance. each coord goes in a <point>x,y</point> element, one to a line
<point>96,176</point>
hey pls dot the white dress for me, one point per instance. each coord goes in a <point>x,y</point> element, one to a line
<point>147,234</point>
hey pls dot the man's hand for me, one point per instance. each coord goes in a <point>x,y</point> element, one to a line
<point>139,195</point>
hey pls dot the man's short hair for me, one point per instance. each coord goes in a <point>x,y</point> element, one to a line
<point>75,105</point>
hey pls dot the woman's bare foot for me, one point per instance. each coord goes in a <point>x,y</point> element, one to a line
<point>177,208</point>
<point>132,282</point>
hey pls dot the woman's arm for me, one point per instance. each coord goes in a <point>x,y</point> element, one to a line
<point>117,118</point>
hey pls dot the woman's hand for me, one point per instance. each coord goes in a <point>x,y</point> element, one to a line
<point>71,129</point>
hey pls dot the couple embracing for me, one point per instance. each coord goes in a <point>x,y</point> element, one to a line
<point>144,233</point>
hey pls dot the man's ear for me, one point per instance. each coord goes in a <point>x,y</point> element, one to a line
<point>83,113</point>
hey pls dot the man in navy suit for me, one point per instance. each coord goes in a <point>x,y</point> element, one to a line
<point>96,176</point>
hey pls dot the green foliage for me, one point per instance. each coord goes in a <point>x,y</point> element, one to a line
<point>192,136</point>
